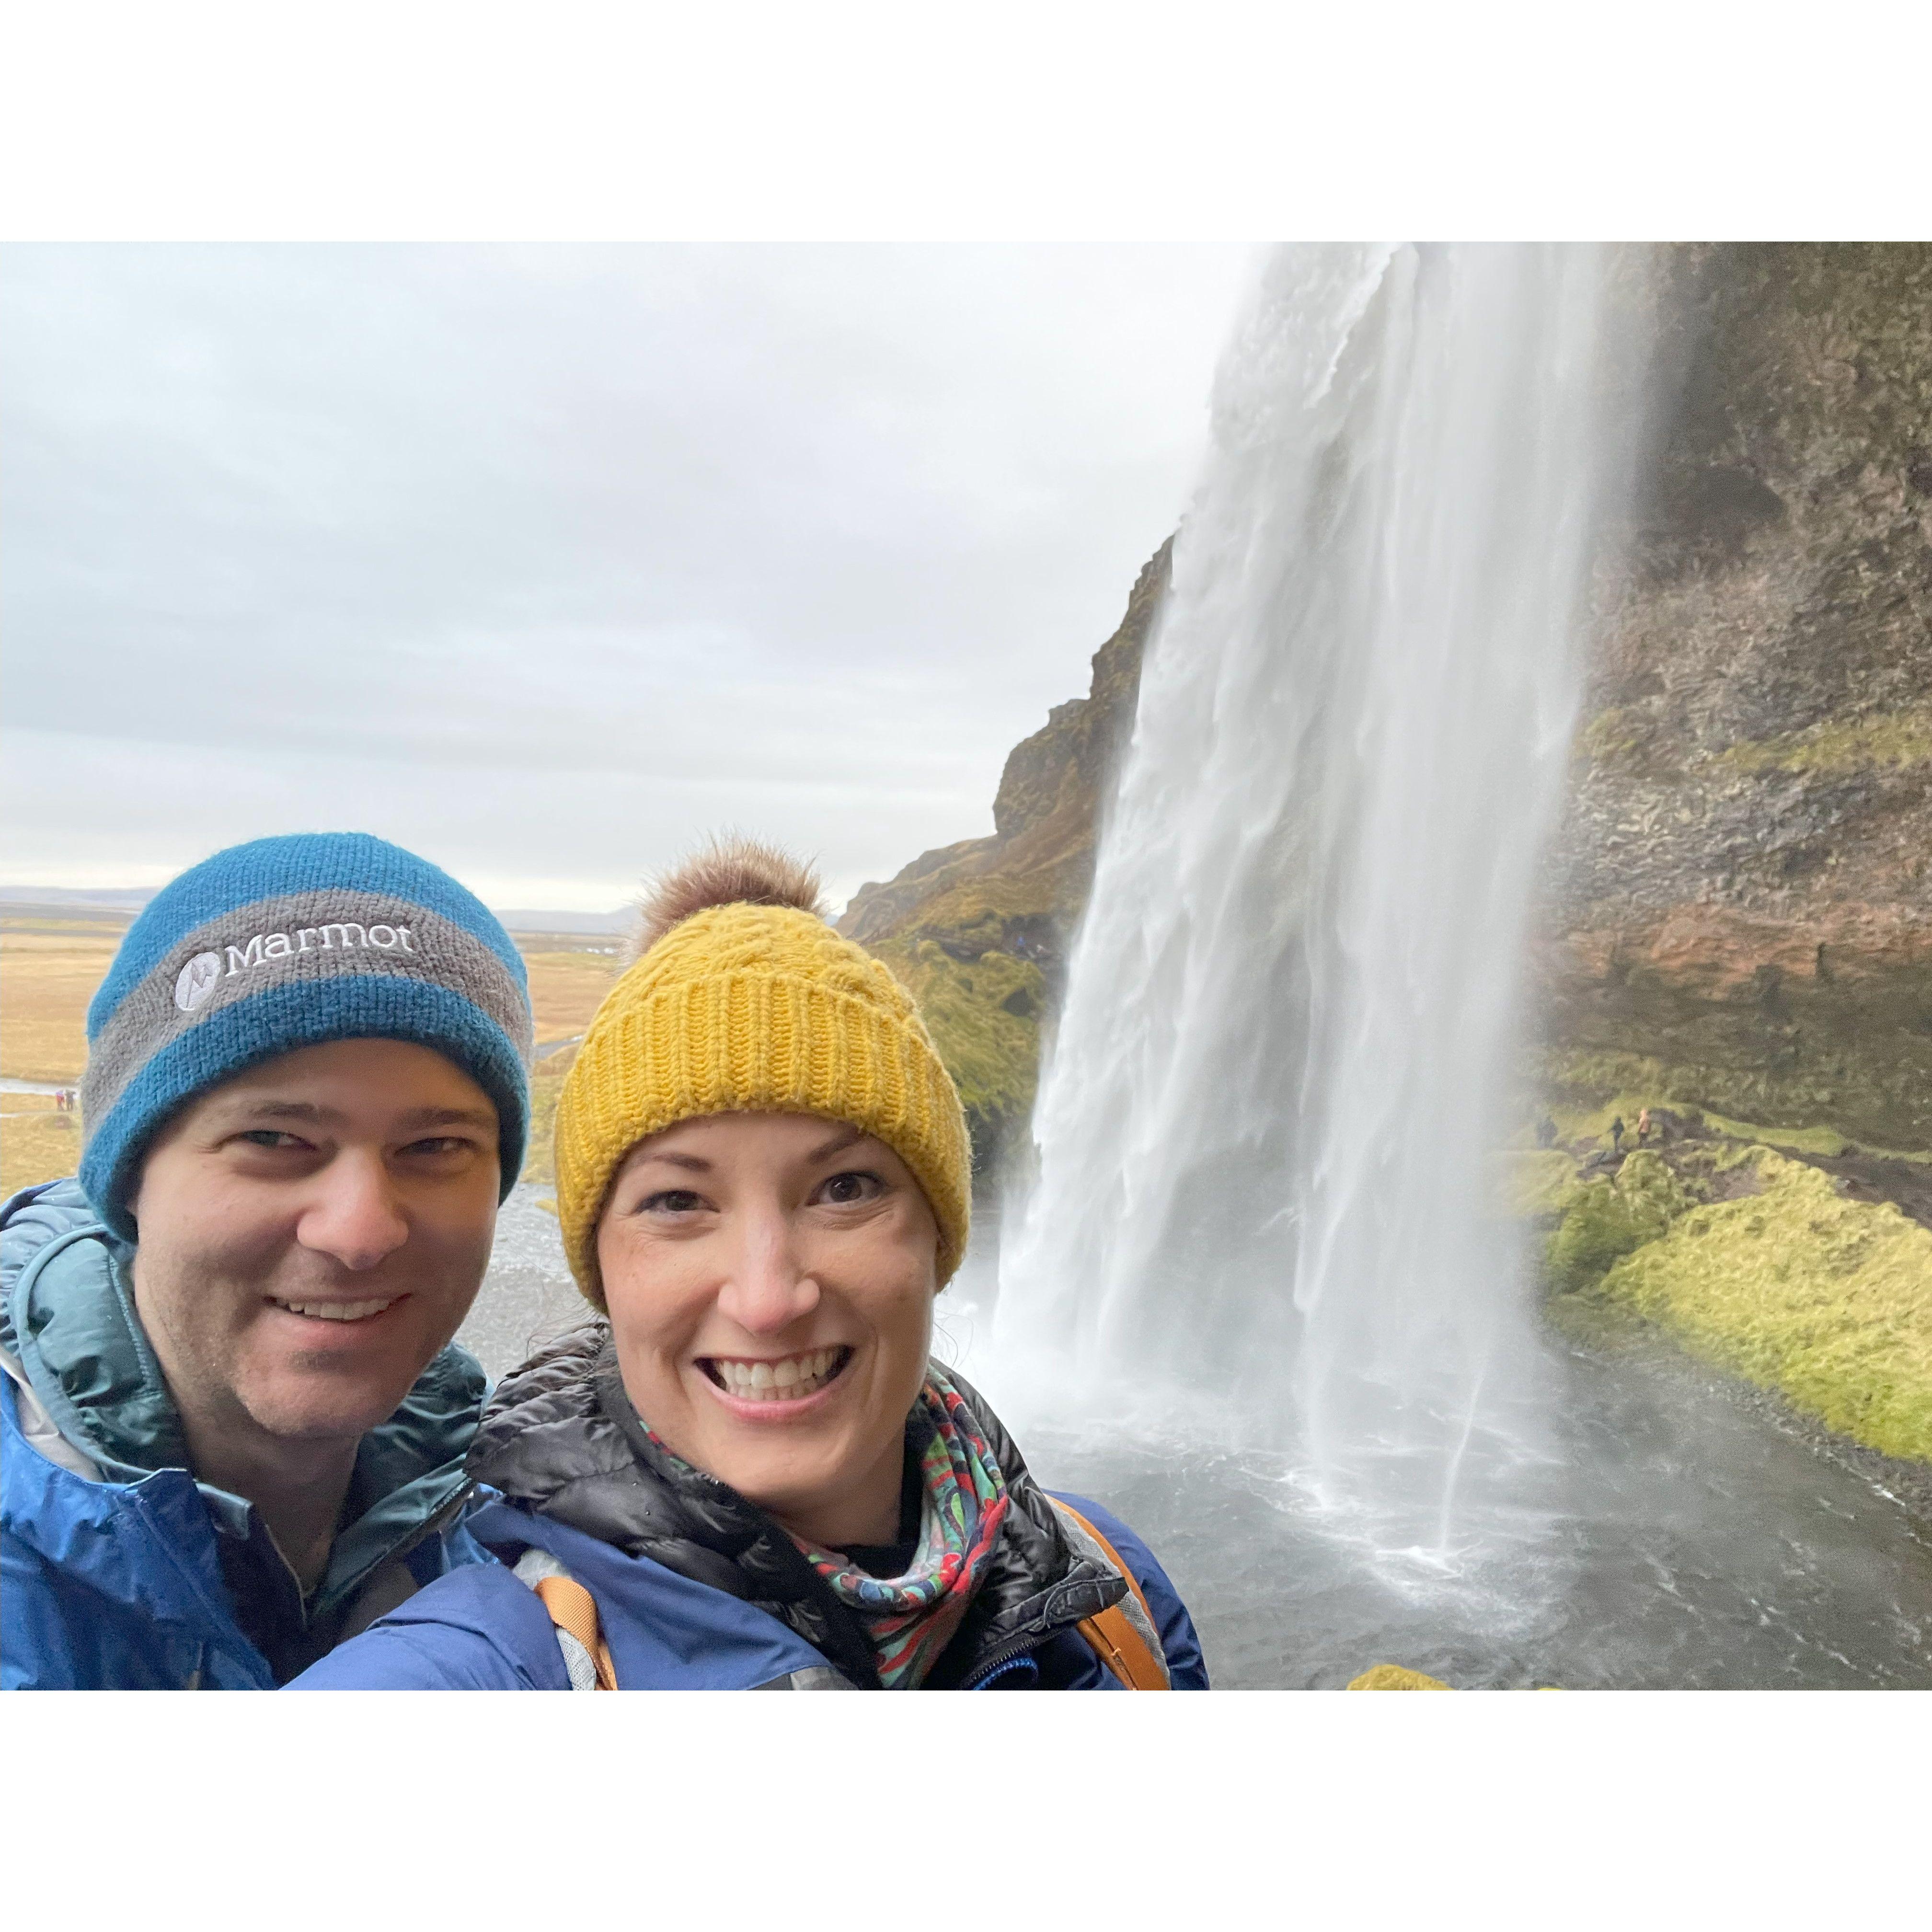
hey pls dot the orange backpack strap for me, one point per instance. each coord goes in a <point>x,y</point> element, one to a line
<point>1124,1638</point>
<point>573,1611</point>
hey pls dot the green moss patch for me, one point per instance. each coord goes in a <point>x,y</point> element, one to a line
<point>1894,738</point>
<point>983,1016</point>
<point>1794,1288</point>
<point>1587,1091</point>
<point>1604,1220</point>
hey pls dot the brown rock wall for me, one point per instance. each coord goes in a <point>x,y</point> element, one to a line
<point>1742,885</point>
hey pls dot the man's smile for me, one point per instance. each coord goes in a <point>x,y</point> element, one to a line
<point>336,1309</point>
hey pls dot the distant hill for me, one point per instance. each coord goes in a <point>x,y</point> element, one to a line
<point>90,898</point>
<point>127,900</point>
<point>598,924</point>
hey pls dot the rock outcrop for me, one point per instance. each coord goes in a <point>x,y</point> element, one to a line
<point>1740,900</point>
<point>980,931</point>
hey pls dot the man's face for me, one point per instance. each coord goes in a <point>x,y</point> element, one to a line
<point>311,1233</point>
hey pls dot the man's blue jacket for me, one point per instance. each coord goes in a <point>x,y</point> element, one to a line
<point>118,1570</point>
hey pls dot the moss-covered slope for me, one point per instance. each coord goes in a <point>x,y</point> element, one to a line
<point>980,931</point>
<point>1769,1266</point>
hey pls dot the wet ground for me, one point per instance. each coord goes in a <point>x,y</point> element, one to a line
<point>1680,1533</point>
<point>528,1296</point>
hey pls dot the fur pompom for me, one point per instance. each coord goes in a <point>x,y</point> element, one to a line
<point>728,871</point>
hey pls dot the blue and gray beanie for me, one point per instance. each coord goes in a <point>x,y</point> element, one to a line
<point>286,943</point>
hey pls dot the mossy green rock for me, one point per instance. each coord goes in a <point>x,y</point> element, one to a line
<point>1794,1288</point>
<point>1604,1220</point>
<point>984,1018</point>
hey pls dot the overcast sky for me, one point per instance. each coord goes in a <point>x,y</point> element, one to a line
<point>546,561</point>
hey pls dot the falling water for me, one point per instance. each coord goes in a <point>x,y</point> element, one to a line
<point>1263,1131</point>
<point>1256,1303</point>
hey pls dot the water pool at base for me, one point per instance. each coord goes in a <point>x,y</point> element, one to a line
<point>1677,1538</point>
<point>1684,1542</point>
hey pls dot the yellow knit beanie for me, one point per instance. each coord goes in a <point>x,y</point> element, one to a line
<point>744,1007</point>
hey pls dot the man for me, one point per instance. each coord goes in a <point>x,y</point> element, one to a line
<point>234,1428</point>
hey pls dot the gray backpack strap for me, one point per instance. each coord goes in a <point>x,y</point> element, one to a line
<point>1124,1637</point>
<point>579,1665</point>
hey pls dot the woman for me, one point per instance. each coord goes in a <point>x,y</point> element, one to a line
<point>750,1473</point>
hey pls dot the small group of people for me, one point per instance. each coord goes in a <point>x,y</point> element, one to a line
<point>64,1099</point>
<point>242,1450</point>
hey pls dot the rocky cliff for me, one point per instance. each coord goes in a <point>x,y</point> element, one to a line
<point>1739,910</point>
<point>980,930</point>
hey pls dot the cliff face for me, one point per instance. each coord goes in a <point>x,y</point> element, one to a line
<point>1737,911</point>
<point>980,930</point>
<point>1740,900</point>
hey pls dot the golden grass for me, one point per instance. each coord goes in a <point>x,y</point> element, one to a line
<point>46,981</point>
<point>36,1147</point>
<point>566,989</point>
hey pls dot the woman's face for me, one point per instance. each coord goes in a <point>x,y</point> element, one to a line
<point>770,1280</point>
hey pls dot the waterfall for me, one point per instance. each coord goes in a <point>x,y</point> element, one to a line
<point>1265,1125</point>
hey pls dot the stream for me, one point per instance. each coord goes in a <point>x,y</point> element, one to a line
<point>1674,1537</point>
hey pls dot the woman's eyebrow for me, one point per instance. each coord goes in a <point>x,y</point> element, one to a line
<point>693,1163</point>
<point>838,1143</point>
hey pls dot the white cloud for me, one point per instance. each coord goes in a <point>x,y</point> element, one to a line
<point>546,560</point>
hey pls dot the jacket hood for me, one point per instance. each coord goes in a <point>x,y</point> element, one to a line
<point>561,1439</point>
<point>67,1318</point>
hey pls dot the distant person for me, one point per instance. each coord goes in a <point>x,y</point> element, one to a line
<point>235,1431</point>
<point>1643,1127</point>
<point>1617,1135</point>
<point>1546,1131</point>
<point>748,1471</point>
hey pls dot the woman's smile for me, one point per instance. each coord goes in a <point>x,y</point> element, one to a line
<point>776,1388</point>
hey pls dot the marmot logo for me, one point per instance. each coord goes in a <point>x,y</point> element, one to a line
<point>196,981</point>
<point>196,986</point>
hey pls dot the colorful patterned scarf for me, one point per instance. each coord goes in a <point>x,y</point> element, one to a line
<point>911,1619</point>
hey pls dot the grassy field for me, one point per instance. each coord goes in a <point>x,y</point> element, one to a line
<point>46,980</point>
<point>49,971</point>
<point>564,990</point>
